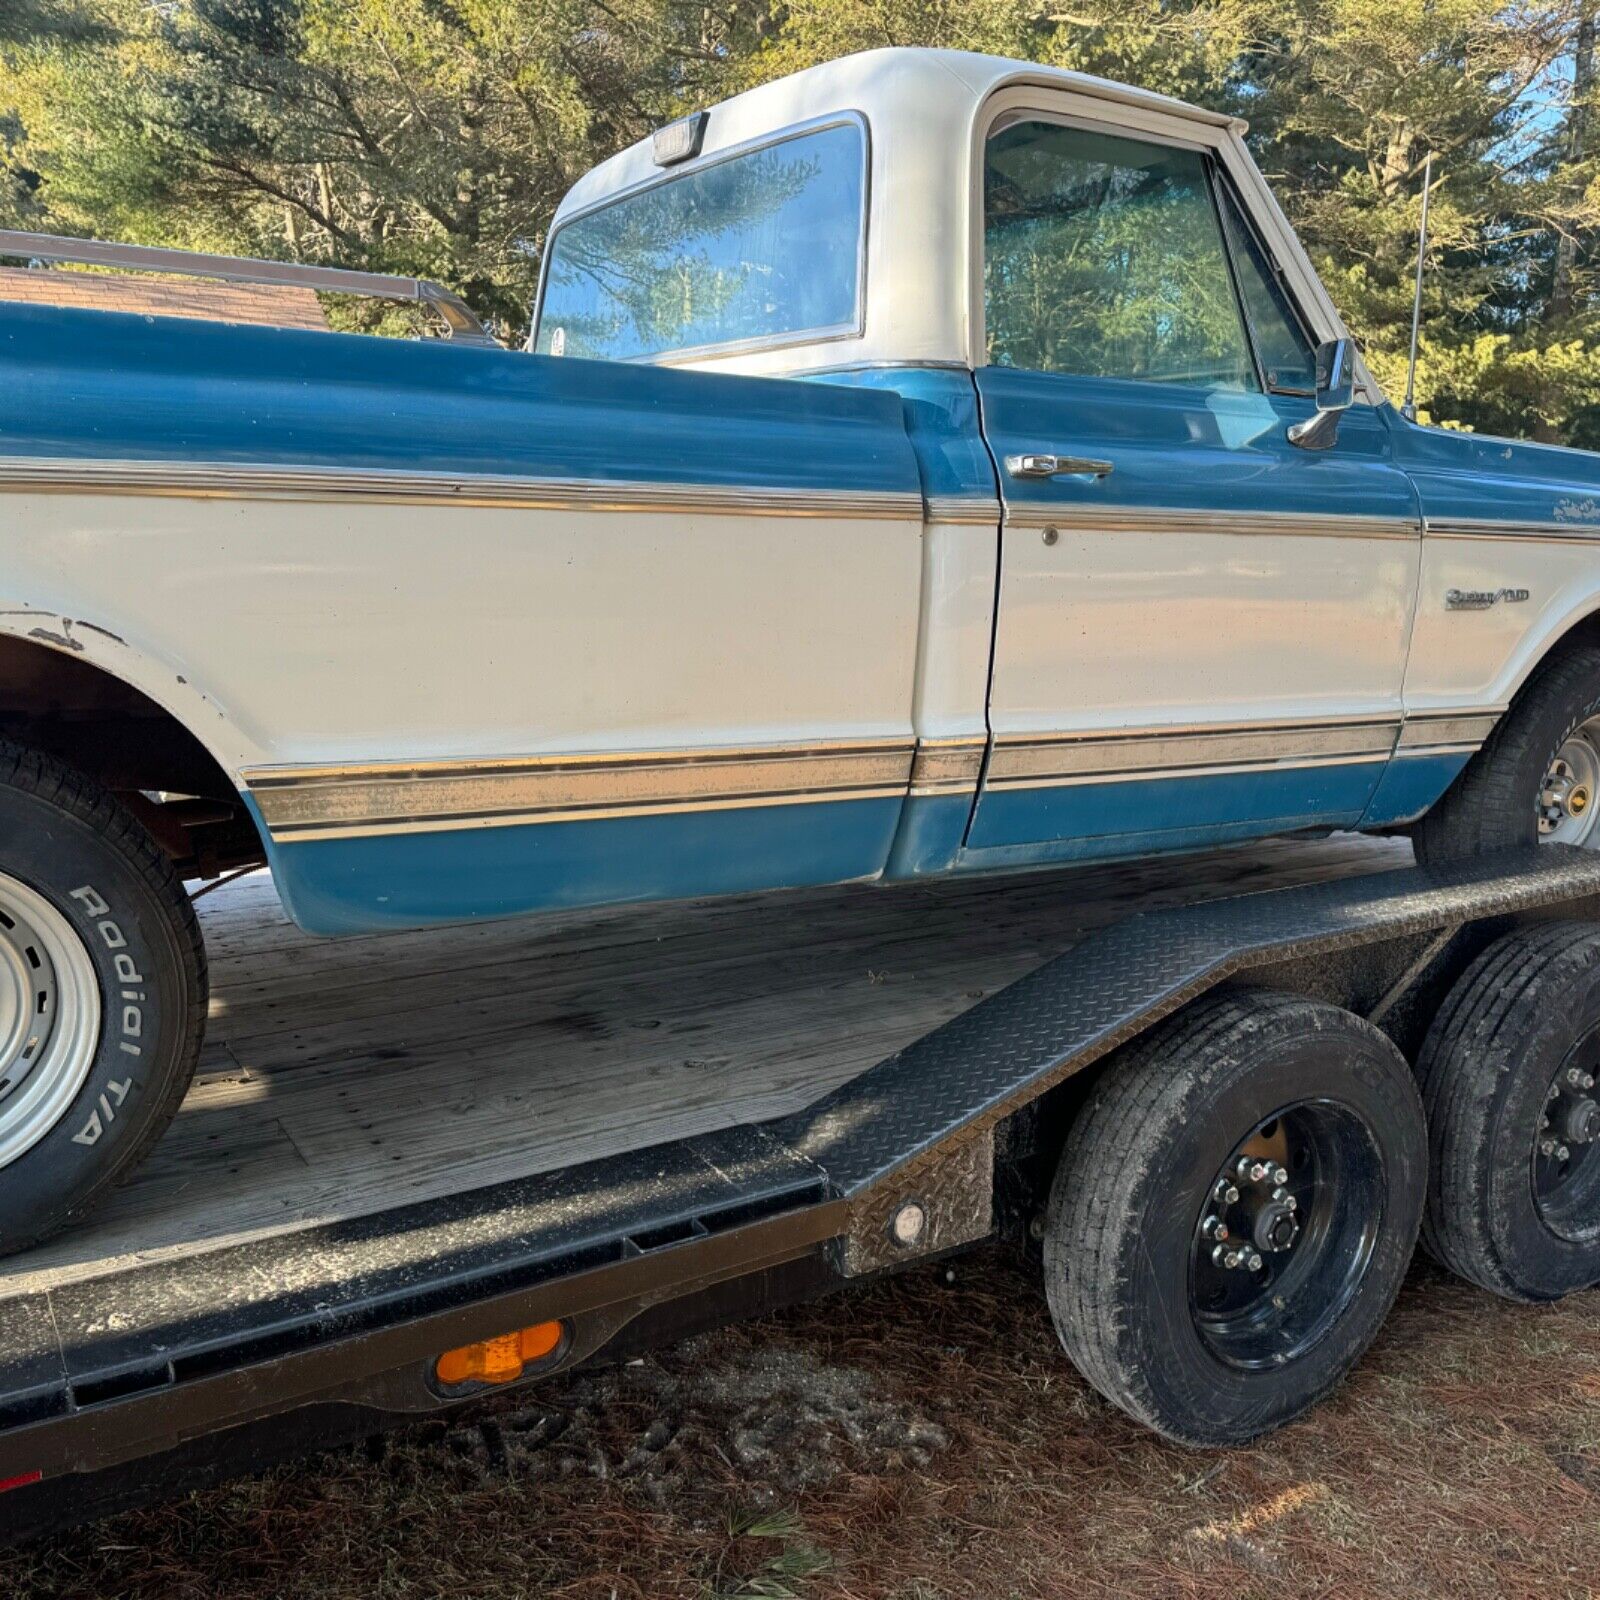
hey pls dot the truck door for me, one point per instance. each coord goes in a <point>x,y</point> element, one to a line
<point>1201,627</point>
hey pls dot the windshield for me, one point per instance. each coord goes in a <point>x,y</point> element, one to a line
<point>760,247</point>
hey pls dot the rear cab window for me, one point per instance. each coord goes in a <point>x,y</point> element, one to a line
<point>759,247</point>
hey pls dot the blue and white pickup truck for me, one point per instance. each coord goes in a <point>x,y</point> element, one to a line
<point>924,464</point>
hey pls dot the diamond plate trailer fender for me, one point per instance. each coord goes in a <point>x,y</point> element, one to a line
<point>1385,946</point>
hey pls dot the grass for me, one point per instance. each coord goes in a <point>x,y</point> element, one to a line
<point>915,1440</point>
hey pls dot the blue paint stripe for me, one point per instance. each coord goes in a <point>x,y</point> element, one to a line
<point>1409,787</point>
<point>1280,799</point>
<point>929,837</point>
<point>342,886</point>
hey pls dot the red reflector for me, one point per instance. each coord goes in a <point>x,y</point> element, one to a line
<point>21,1480</point>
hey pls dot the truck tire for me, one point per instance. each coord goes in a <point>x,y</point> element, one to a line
<point>102,994</point>
<point>1537,777</point>
<point>1508,1077</point>
<point>1213,1338</point>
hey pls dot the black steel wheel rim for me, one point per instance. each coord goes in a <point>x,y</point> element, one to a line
<point>1286,1234</point>
<point>1566,1165</point>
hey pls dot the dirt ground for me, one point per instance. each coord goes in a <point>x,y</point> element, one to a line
<point>920,1439</point>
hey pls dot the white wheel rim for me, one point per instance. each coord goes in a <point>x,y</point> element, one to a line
<point>1569,796</point>
<point>49,1017</point>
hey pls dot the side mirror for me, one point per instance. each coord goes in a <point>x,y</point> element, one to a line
<point>1336,391</point>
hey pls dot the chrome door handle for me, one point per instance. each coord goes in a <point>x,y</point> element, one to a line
<point>1036,464</point>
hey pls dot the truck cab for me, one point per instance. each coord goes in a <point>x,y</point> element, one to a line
<point>1157,613</point>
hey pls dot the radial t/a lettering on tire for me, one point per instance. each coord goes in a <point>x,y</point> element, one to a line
<point>1233,1213</point>
<point>1510,1076</point>
<point>102,994</point>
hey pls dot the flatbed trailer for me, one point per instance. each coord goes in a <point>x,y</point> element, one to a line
<point>634,1123</point>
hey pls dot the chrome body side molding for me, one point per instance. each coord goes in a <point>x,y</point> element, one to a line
<point>344,801</point>
<point>947,766</point>
<point>1022,761</point>
<point>1494,528</point>
<point>1154,753</point>
<point>1160,519</point>
<point>229,481</point>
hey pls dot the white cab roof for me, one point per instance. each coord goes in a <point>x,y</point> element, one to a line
<point>925,110</point>
<point>946,84</point>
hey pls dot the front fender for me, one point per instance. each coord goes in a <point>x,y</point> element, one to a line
<point>1490,608</point>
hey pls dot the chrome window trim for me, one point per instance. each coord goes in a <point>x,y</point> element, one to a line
<point>1007,117</point>
<point>382,485</point>
<point>778,341</point>
<point>1218,136</point>
<point>1224,192</point>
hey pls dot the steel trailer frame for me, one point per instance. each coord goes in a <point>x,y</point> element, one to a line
<point>180,1371</point>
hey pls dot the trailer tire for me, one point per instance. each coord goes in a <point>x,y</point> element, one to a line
<point>1126,1247</point>
<point>102,994</point>
<point>1501,1213</point>
<point>1496,802</point>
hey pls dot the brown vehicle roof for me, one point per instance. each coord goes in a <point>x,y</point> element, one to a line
<point>270,304</point>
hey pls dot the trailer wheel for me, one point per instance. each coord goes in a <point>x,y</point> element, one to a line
<point>1233,1213</point>
<point>1508,1075</point>
<point>102,994</point>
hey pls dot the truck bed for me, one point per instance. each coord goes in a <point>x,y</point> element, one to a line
<point>345,1078</point>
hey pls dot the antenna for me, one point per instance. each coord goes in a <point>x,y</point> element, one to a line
<point>1409,409</point>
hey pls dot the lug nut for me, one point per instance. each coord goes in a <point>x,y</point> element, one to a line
<point>1280,1175</point>
<point>1255,1262</point>
<point>1562,1153</point>
<point>1224,1192</point>
<point>1214,1228</point>
<point>1547,1147</point>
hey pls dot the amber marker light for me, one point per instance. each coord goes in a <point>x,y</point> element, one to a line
<point>502,1359</point>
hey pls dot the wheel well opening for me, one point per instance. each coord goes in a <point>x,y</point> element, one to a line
<point>1585,631</point>
<point>115,734</point>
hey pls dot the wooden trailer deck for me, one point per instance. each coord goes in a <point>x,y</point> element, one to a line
<point>341,1078</point>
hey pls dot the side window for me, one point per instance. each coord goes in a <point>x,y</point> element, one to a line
<point>1286,355</point>
<point>1104,257</point>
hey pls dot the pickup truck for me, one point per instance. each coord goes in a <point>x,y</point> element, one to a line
<point>925,464</point>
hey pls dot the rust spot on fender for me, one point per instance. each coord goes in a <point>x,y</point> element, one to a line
<point>63,641</point>
<point>105,633</point>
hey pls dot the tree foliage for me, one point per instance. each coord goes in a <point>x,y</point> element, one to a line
<point>436,136</point>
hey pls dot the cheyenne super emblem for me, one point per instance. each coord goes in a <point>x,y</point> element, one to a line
<point>1481,599</point>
